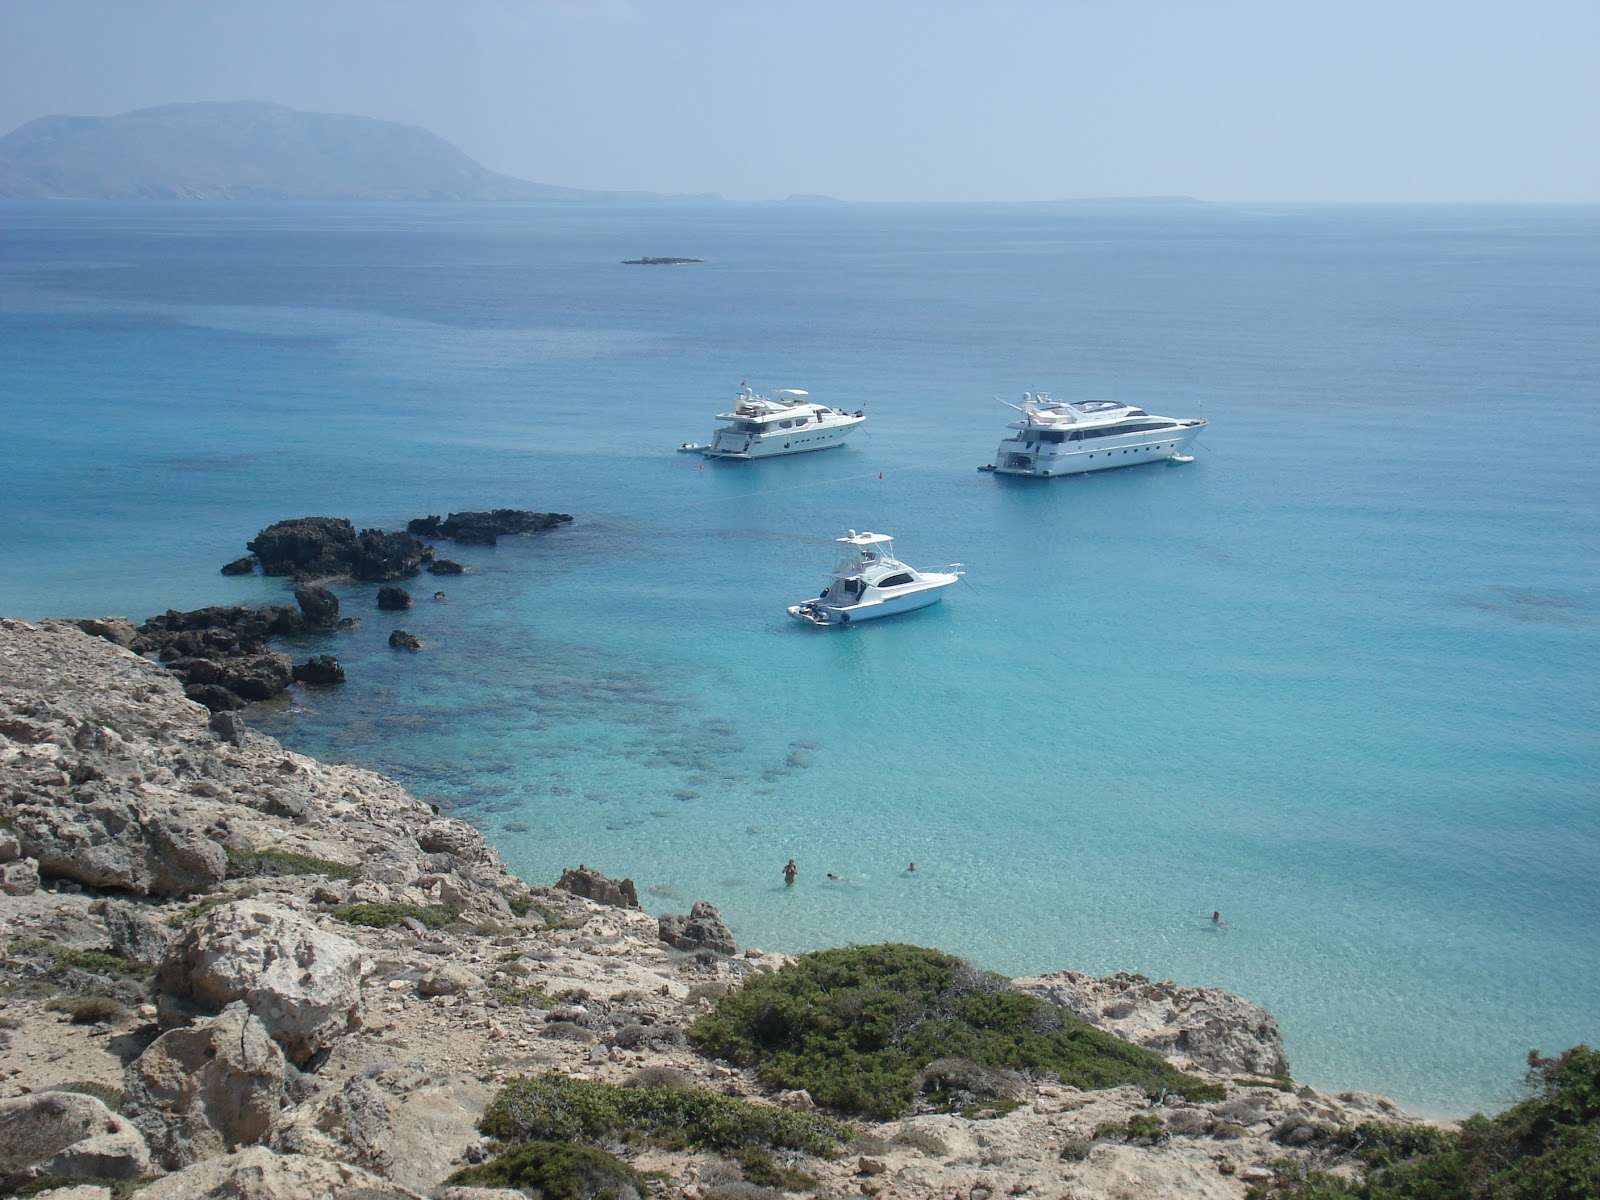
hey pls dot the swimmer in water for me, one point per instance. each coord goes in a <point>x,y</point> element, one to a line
<point>790,873</point>
<point>1216,919</point>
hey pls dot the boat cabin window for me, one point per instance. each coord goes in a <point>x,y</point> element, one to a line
<point>785,424</point>
<point>896,580</point>
<point>1053,436</point>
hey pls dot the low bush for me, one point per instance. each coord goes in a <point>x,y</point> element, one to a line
<point>96,1010</point>
<point>557,1171</point>
<point>96,962</point>
<point>1144,1129</point>
<point>855,1026</point>
<point>761,1169</point>
<point>387,916</point>
<point>558,1108</point>
<point>1546,1147</point>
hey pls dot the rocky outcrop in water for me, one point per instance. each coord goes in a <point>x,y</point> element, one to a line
<point>393,599</point>
<point>308,983</point>
<point>483,528</point>
<point>330,548</point>
<point>592,885</point>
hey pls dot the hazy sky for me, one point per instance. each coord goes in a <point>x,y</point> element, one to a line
<point>1298,100</point>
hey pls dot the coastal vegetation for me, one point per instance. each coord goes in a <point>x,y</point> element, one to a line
<point>387,916</point>
<point>1545,1148</point>
<point>558,1108</point>
<point>870,1029</point>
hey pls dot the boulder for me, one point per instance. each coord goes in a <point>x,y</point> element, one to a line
<point>19,877</point>
<point>318,606</point>
<point>104,841</point>
<point>207,1089</point>
<point>118,630</point>
<point>592,885</point>
<point>401,640</point>
<point>240,566</point>
<point>322,670</point>
<point>63,1134</point>
<point>259,1174</point>
<point>443,566</point>
<point>702,929</point>
<point>135,935</point>
<point>228,726</point>
<point>393,599</point>
<point>448,980</point>
<point>302,983</point>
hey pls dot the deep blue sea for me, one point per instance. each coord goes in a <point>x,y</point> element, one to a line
<point>1339,677</point>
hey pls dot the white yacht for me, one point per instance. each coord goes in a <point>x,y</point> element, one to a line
<point>1057,437</point>
<point>786,422</point>
<point>869,581</point>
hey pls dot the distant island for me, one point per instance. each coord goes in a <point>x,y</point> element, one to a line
<point>246,150</point>
<point>647,261</point>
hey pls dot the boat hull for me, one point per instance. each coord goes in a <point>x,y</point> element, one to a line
<point>787,441</point>
<point>1126,450</point>
<point>929,592</point>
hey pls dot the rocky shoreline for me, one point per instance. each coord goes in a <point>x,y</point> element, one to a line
<point>251,973</point>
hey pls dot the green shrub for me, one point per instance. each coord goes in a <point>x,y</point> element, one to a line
<point>96,1010</point>
<point>557,1171</point>
<point>760,1168</point>
<point>1141,1128</point>
<point>522,995</point>
<point>244,864</point>
<point>854,1027</point>
<point>1546,1147</point>
<point>387,916</point>
<point>558,1108</point>
<point>96,962</point>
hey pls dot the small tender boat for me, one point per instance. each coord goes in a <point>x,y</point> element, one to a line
<point>1058,437</point>
<point>869,581</point>
<point>786,422</point>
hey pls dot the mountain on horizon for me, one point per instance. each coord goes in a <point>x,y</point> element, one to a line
<point>249,150</point>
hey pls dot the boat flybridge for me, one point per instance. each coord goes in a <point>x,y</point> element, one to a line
<point>869,581</point>
<point>1058,437</point>
<point>786,422</point>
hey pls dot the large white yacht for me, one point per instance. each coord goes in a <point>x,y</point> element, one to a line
<point>786,422</point>
<point>1058,437</point>
<point>869,581</point>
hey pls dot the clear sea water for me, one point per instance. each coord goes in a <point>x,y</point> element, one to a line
<point>1336,678</point>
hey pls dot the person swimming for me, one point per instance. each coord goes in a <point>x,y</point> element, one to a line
<point>790,873</point>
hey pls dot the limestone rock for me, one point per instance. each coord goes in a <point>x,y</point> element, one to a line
<point>701,929</point>
<point>318,605</point>
<point>303,984</point>
<point>326,547</point>
<point>322,670</point>
<point>240,566</point>
<point>592,885</point>
<point>393,599</point>
<point>105,842</point>
<point>448,980</point>
<point>207,1089</point>
<point>19,878</point>
<point>53,1134</point>
<point>135,935</point>
<point>1210,1029</point>
<point>259,1174</point>
<point>401,640</point>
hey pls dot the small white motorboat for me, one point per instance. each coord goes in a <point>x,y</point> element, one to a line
<point>868,581</point>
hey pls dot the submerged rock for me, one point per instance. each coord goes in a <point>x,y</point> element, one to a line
<point>483,528</point>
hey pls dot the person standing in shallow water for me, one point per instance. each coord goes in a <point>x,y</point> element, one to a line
<point>790,873</point>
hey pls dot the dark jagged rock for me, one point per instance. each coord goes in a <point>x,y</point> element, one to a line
<point>393,599</point>
<point>228,726</point>
<point>318,606</point>
<point>443,566</point>
<point>118,630</point>
<point>482,528</point>
<point>240,566</point>
<point>218,699</point>
<point>591,885</point>
<point>702,929</point>
<point>330,547</point>
<point>401,640</point>
<point>324,670</point>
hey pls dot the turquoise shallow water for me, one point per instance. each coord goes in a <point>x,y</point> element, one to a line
<point>1336,677</point>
